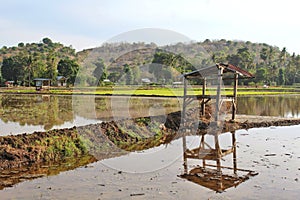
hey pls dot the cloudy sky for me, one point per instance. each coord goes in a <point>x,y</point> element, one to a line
<point>89,23</point>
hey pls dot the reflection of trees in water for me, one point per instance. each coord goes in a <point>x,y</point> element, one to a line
<point>282,106</point>
<point>89,106</point>
<point>106,108</point>
<point>44,110</point>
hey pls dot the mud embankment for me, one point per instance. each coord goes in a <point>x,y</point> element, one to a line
<point>109,139</point>
<point>26,155</point>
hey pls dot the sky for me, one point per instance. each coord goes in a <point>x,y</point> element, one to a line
<point>89,23</point>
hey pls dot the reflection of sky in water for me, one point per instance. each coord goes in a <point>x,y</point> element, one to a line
<point>14,128</point>
<point>160,157</point>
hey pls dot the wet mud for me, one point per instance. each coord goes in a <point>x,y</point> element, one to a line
<point>28,156</point>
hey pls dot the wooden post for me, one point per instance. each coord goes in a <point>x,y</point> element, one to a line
<point>184,124</point>
<point>234,152</point>
<point>234,101</point>
<point>184,101</point>
<point>202,147</point>
<point>218,161</point>
<point>185,167</point>
<point>218,99</point>
<point>203,99</point>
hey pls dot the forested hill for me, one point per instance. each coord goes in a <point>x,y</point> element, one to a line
<point>24,62</point>
<point>269,64</point>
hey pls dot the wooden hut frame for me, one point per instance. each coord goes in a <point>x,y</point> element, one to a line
<point>215,72</point>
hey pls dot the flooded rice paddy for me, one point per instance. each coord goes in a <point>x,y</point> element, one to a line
<point>264,162</point>
<point>29,113</point>
<point>273,153</point>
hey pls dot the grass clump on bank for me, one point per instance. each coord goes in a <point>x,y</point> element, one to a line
<point>54,145</point>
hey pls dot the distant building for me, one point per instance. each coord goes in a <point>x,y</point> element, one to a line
<point>9,83</point>
<point>42,83</point>
<point>177,84</point>
<point>146,81</point>
<point>61,81</point>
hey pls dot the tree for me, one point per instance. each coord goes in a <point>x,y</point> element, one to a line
<point>13,68</point>
<point>114,76</point>
<point>47,41</point>
<point>281,78</point>
<point>260,75</point>
<point>100,72</point>
<point>129,78</point>
<point>136,73</point>
<point>243,59</point>
<point>28,70</point>
<point>21,44</point>
<point>283,57</point>
<point>7,69</point>
<point>51,65</point>
<point>68,68</point>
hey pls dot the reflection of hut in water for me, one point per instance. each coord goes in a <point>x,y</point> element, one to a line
<point>215,177</point>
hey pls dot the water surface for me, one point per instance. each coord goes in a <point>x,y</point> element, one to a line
<point>279,106</point>
<point>155,173</point>
<point>29,113</point>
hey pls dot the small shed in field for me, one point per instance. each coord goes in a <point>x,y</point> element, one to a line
<point>61,81</point>
<point>42,83</point>
<point>215,73</point>
<point>9,83</point>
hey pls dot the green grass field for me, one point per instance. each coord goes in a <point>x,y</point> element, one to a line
<point>151,91</point>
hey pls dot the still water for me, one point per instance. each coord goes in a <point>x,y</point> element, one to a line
<point>259,164</point>
<point>279,106</point>
<point>29,113</point>
<point>271,154</point>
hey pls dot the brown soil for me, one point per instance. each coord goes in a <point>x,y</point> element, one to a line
<point>111,138</point>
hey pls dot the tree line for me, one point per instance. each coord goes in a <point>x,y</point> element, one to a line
<point>47,59</point>
<point>38,60</point>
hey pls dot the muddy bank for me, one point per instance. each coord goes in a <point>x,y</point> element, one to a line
<point>109,139</point>
<point>29,156</point>
<point>265,122</point>
<point>105,140</point>
<point>116,137</point>
<point>174,121</point>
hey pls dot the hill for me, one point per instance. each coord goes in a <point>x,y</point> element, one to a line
<point>128,63</point>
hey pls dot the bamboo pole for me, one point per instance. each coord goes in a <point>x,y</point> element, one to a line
<point>218,99</point>
<point>203,100</point>
<point>234,102</point>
